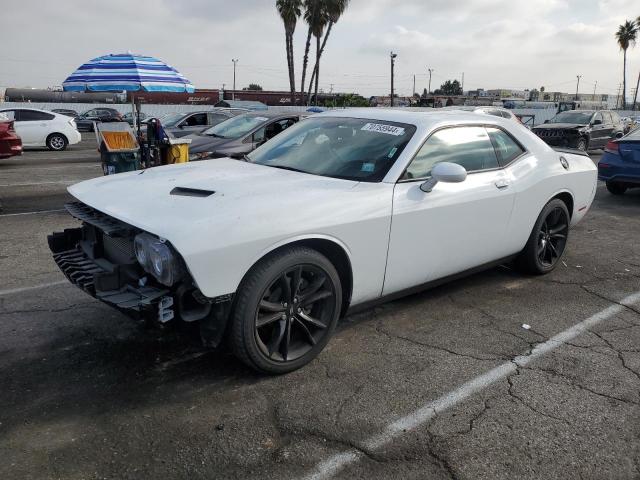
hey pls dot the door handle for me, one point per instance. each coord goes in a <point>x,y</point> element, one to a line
<point>502,183</point>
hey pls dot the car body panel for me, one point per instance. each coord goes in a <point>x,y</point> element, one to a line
<point>257,208</point>
<point>10,142</point>
<point>622,165</point>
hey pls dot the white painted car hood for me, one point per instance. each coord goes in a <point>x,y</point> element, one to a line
<point>243,192</point>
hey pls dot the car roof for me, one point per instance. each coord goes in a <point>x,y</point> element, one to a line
<point>26,108</point>
<point>423,119</point>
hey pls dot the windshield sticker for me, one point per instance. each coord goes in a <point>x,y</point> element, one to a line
<point>382,128</point>
<point>368,167</point>
<point>262,119</point>
<point>392,152</point>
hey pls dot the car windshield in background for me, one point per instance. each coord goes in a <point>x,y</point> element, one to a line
<point>348,148</point>
<point>235,127</point>
<point>581,118</point>
<point>171,120</point>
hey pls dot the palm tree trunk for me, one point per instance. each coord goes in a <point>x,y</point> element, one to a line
<point>315,102</point>
<point>624,81</point>
<point>314,75</point>
<point>304,64</point>
<point>635,95</point>
<point>292,78</point>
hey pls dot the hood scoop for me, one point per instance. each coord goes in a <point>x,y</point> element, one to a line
<point>191,192</point>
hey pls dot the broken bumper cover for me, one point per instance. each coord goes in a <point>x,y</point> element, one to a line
<point>116,285</point>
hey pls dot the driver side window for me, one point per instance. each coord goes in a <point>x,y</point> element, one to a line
<point>258,136</point>
<point>470,147</point>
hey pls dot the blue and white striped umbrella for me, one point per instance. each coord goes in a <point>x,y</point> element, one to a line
<point>126,71</point>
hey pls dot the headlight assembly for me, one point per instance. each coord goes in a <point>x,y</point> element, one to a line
<point>156,257</point>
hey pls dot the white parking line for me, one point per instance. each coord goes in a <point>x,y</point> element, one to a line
<point>32,213</point>
<point>59,182</point>
<point>11,291</point>
<point>334,464</point>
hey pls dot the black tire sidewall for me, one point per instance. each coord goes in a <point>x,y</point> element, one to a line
<point>616,188</point>
<point>528,259</point>
<point>249,294</point>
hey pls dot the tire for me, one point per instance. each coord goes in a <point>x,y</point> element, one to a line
<point>290,336</point>
<point>547,241</point>
<point>616,188</point>
<point>582,144</point>
<point>57,142</point>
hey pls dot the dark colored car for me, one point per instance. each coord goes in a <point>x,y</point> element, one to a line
<point>128,117</point>
<point>581,129</point>
<point>86,120</point>
<point>10,142</point>
<point>619,167</point>
<point>66,111</point>
<point>239,135</point>
<point>183,124</point>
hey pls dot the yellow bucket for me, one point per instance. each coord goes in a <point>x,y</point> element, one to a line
<point>178,153</point>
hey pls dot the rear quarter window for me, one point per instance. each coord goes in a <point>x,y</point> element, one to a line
<point>507,149</point>
<point>33,116</point>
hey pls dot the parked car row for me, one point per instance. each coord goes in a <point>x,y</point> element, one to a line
<point>581,129</point>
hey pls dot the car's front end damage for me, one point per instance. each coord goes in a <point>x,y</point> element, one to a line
<point>134,271</point>
<point>562,135</point>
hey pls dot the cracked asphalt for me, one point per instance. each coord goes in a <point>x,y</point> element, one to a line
<point>88,394</point>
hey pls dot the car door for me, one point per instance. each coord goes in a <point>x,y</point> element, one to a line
<point>456,226</point>
<point>33,126</point>
<point>599,136</point>
<point>194,123</point>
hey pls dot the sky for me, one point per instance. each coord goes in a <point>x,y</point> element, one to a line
<point>518,44</point>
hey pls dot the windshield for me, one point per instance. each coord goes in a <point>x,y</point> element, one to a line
<point>349,148</point>
<point>581,118</point>
<point>171,119</point>
<point>235,127</point>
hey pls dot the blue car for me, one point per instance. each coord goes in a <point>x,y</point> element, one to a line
<point>620,164</point>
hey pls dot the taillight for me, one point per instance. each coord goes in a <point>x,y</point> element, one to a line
<point>611,147</point>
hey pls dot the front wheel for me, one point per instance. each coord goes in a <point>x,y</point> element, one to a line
<point>547,241</point>
<point>57,142</point>
<point>286,309</point>
<point>616,188</point>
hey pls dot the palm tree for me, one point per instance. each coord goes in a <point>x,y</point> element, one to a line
<point>289,11</point>
<point>635,95</point>
<point>333,10</point>
<point>626,37</point>
<point>314,15</point>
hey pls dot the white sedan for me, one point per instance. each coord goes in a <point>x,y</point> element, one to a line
<point>342,210</point>
<point>41,128</point>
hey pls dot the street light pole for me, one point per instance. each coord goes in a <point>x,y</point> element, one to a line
<point>393,61</point>
<point>430,72</point>
<point>233,95</point>
<point>578,85</point>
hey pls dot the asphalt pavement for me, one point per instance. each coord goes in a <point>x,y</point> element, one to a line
<point>466,381</point>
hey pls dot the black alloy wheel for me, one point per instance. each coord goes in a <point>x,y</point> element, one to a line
<point>552,237</point>
<point>286,309</point>
<point>547,241</point>
<point>295,313</point>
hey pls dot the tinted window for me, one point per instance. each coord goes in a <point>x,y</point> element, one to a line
<point>581,118</point>
<point>236,127</point>
<point>278,127</point>
<point>196,120</point>
<point>470,147</point>
<point>506,147</point>
<point>33,116</point>
<point>349,148</point>
<point>596,117</point>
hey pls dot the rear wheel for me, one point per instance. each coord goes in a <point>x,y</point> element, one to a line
<point>547,241</point>
<point>286,310</point>
<point>616,188</point>
<point>57,142</point>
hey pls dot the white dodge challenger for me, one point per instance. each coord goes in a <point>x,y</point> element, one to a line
<point>339,211</point>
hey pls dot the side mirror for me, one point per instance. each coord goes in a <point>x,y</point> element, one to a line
<point>444,172</point>
<point>597,122</point>
<point>546,121</point>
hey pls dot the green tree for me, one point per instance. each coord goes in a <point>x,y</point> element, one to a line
<point>253,86</point>
<point>290,11</point>
<point>449,88</point>
<point>334,9</point>
<point>626,37</point>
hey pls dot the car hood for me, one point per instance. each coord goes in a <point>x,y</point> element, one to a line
<point>205,143</point>
<point>559,126</point>
<point>242,193</point>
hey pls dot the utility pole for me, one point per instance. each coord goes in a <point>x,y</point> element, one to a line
<point>429,89</point>
<point>393,62</point>
<point>414,84</point>
<point>618,96</point>
<point>594,91</point>
<point>233,95</point>
<point>462,85</point>
<point>578,85</point>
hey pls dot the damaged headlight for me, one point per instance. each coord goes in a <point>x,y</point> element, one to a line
<point>156,256</point>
